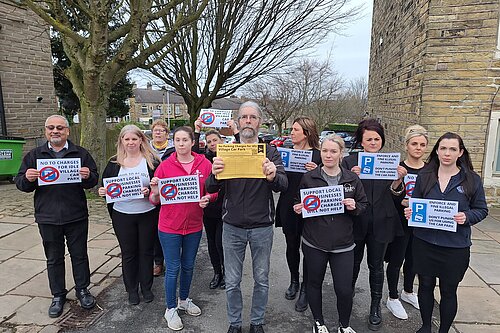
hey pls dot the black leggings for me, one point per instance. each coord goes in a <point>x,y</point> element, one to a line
<point>341,266</point>
<point>447,307</point>
<point>398,251</point>
<point>375,252</point>
<point>213,229</point>
<point>293,241</point>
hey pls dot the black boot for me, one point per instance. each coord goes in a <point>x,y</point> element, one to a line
<point>375,318</point>
<point>292,290</point>
<point>301,304</point>
<point>215,280</point>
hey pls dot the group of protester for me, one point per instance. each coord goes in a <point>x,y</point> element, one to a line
<point>239,212</point>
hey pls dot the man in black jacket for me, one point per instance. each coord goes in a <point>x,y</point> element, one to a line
<point>248,216</point>
<point>61,213</point>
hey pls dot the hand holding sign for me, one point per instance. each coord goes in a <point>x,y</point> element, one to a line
<point>215,117</point>
<point>269,169</point>
<point>32,175</point>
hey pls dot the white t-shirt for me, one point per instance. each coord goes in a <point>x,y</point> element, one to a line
<point>135,206</point>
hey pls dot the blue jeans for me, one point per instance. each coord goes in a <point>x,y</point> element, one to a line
<point>180,254</point>
<point>235,242</point>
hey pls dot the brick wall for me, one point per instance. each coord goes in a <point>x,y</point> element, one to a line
<point>25,71</point>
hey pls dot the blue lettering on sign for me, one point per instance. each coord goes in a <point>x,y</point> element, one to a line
<point>367,165</point>
<point>419,212</point>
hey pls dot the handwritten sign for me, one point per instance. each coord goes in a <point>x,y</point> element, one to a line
<point>58,171</point>
<point>179,190</point>
<point>410,180</point>
<point>379,165</point>
<point>320,201</point>
<point>215,117</point>
<point>123,188</point>
<point>294,160</point>
<point>433,214</point>
<point>242,160</point>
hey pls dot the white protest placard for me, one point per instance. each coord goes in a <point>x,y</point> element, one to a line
<point>379,165</point>
<point>410,180</point>
<point>320,201</point>
<point>123,188</point>
<point>59,171</point>
<point>295,160</point>
<point>215,117</point>
<point>179,189</point>
<point>433,214</point>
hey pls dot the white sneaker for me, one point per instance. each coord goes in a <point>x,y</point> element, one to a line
<point>396,308</point>
<point>317,328</point>
<point>410,298</point>
<point>174,322</point>
<point>346,330</point>
<point>188,306</point>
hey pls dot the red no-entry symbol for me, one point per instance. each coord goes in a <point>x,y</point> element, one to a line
<point>49,174</point>
<point>169,191</point>
<point>207,118</point>
<point>114,190</point>
<point>409,187</point>
<point>311,203</point>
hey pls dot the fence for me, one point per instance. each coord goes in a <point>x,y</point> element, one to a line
<point>111,136</point>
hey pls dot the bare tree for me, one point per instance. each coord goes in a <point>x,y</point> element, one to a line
<point>236,41</point>
<point>356,104</point>
<point>103,39</point>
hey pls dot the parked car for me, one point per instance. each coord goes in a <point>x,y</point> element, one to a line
<point>287,143</point>
<point>148,133</point>
<point>278,142</point>
<point>202,144</point>
<point>267,138</point>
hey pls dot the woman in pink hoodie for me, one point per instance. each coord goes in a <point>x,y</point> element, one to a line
<point>180,225</point>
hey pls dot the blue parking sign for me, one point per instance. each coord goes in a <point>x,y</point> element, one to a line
<point>367,165</point>
<point>285,158</point>
<point>419,212</point>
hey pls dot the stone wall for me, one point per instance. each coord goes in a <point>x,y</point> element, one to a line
<point>25,72</point>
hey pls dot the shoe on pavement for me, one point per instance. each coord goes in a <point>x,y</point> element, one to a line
<point>133,298</point>
<point>174,322</point>
<point>346,330</point>
<point>318,328</point>
<point>148,296</point>
<point>234,329</point>
<point>57,306</point>
<point>396,308</point>
<point>188,306</point>
<point>87,301</point>
<point>410,298</point>
<point>157,269</point>
<point>256,329</point>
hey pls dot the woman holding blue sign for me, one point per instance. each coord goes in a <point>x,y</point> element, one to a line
<point>380,223</point>
<point>134,220</point>
<point>180,225</point>
<point>416,139</point>
<point>441,254</point>
<point>304,136</point>
<point>329,238</point>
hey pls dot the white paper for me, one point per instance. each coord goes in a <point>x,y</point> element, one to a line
<point>123,188</point>
<point>59,171</point>
<point>433,214</point>
<point>318,201</point>
<point>410,180</point>
<point>295,160</point>
<point>179,189</point>
<point>379,165</point>
<point>215,117</point>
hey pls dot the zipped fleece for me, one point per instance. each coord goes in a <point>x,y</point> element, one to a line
<point>333,232</point>
<point>183,218</point>
<point>59,203</point>
<point>248,203</point>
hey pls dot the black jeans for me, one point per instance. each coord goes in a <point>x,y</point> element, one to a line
<point>53,237</point>
<point>341,266</point>
<point>136,234</point>
<point>213,229</point>
<point>293,241</point>
<point>375,252</point>
<point>398,251</point>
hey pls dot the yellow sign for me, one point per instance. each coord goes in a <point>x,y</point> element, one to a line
<point>242,160</point>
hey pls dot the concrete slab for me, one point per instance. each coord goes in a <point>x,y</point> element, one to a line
<point>478,234</point>
<point>116,252</point>
<point>50,329</point>
<point>495,236</point>
<point>486,266</point>
<point>97,229</point>
<point>15,272</point>
<point>96,278</point>
<point>17,219</point>
<point>35,253</point>
<point>478,305</point>
<point>109,266</point>
<point>475,328</point>
<point>98,289</point>
<point>117,272</point>
<point>489,224</point>
<point>7,254</point>
<point>10,303</point>
<point>485,246</point>
<point>103,243</point>
<point>38,286</point>
<point>28,329</point>
<point>496,287</point>
<point>23,239</point>
<point>35,311</point>
<point>97,257</point>
<point>471,279</point>
<point>7,228</point>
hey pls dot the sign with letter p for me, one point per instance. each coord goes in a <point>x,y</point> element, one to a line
<point>367,164</point>
<point>419,212</point>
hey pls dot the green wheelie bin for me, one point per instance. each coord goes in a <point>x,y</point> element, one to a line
<point>11,155</point>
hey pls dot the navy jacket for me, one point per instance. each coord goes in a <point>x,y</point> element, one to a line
<point>474,208</point>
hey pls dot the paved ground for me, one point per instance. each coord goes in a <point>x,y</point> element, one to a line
<point>24,294</point>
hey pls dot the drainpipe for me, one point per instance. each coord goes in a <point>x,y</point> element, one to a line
<point>3,123</point>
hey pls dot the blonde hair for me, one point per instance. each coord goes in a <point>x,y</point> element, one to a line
<point>415,130</point>
<point>145,148</point>
<point>336,139</point>
<point>159,123</point>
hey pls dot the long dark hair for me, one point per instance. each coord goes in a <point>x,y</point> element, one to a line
<point>310,131</point>
<point>464,163</point>
<point>369,124</point>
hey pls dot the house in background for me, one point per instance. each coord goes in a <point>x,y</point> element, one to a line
<point>437,63</point>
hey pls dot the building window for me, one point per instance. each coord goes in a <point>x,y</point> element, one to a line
<point>496,169</point>
<point>144,109</point>
<point>492,156</point>
<point>178,110</point>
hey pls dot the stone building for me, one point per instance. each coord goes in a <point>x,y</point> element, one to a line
<point>437,63</point>
<point>26,80</point>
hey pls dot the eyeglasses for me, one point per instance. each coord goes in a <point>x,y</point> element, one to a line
<point>159,130</point>
<point>252,117</point>
<point>58,127</point>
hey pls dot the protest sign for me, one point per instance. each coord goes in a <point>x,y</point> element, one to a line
<point>58,171</point>
<point>295,160</point>
<point>410,180</point>
<point>215,117</point>
<point>378,165</point>
<point>242,160</point>
<point>123,188</point>
<point>433,214</point>
<point>179,189</point>
<point>320,201</point>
